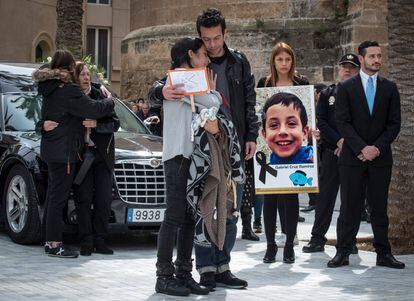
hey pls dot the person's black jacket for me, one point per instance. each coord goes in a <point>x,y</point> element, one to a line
<point>359,128</point>
<point>64,103</point>
<point>103,135</point>
<point>326,117</point>
<point>242,95</point>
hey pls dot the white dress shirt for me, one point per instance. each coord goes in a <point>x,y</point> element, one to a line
<point>364,79</point>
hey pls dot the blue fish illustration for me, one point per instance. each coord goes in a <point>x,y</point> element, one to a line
<point>299,178</point>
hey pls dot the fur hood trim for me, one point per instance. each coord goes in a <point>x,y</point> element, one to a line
<point>45,74</point>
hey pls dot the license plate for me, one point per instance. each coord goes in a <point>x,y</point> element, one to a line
<point>140,215</point>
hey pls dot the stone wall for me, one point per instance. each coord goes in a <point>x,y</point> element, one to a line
<point>366,20</point>
<point>320,31</point>
<point>311,27</point>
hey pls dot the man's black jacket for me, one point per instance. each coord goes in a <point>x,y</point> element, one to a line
<point>359,128</point>
<point>242,95</point>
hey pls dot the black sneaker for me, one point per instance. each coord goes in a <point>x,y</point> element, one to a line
<point>227,279</point>
<point>170,286</point>
<point>62,252</point>
<point>208,280</point>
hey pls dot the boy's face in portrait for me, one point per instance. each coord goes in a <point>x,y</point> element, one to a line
<point>284,132</point>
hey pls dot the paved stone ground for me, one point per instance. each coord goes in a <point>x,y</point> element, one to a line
<point>28,274</point>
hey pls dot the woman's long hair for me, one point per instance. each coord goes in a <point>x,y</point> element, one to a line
<point>63,59</point>
<point>179,52</point>
<point>276,50</point>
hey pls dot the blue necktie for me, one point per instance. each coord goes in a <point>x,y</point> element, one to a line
<point>370,94</point>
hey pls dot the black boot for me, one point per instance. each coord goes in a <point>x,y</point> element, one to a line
<point>247,231</point>
<point>271,252</point>
<point>167,283</point>
<point>288,254</point>
<point>184,278</point>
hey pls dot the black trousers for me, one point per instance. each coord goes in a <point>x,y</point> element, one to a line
<point>60,178</point>
<point>178,224</point>
<point>290,205</point>
<point>96,189</point>
<point>352,179</point>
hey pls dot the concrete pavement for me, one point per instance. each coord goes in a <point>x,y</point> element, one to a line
<point>26,273</point>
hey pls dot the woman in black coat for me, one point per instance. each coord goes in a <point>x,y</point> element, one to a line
<point>61,148</point>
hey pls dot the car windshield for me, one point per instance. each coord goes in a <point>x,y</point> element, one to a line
<point>22,112</point>
<point>129,122</point>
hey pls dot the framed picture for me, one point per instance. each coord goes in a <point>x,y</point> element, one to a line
<point>286,160</point>
<point>195,80</point>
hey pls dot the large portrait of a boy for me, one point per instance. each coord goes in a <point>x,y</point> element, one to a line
<point>286,160</point>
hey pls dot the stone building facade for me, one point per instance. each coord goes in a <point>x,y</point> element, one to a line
<point>28,31</point>
<point>320,31</point>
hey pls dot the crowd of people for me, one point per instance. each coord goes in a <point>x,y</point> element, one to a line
<point>206,170</point>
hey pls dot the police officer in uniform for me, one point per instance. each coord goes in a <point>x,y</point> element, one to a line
<point>330,150</point>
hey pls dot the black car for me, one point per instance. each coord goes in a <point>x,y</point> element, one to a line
<point>139,186</point>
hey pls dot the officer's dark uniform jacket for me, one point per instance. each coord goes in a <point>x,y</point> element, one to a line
<point>326,117</point>
<point>242,95</point>
<point>64,103</point>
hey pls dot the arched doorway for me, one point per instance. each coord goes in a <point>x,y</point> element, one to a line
<point>43,47</point>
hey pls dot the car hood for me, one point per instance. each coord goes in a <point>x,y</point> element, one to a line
<point>129,145</point>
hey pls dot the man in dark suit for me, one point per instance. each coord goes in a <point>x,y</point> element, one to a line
<point>368,117</point>
<point>331,146</point>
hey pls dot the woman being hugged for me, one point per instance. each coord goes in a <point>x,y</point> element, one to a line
<point>282,73</point>
<point>61,148</point>
<point>178,146</point>
<point>96,186</point>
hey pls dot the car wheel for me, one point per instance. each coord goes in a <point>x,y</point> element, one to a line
<point>20,208</point>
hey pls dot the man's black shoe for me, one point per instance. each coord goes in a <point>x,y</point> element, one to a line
<point>288,254</point>
<point>103,249</point>
<point>301,219</point>
<point>86,250</point>
<point>62,252</point>
<point>387,260</point>
<point>227,279</point>
<point>338,261</point>
<point>170,286</point>
<point>271,252</point>
<point>188,281</point>
<point>354,249</point>
<point>208,280</point>
<point>308,208</point>
<point>313,247</point>
<point>247,233</point>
